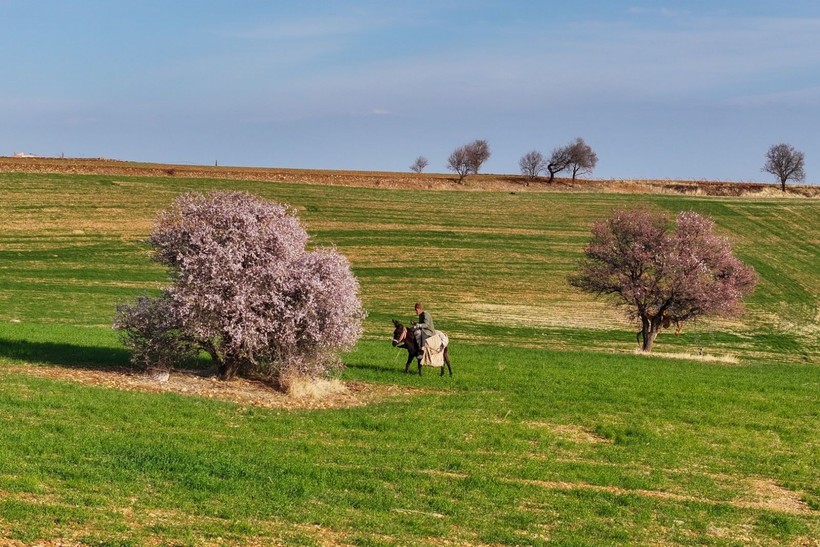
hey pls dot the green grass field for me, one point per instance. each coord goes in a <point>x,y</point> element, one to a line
<point>551,431</point>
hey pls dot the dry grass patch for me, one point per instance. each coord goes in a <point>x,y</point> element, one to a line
<point>743,533</point>
<point>703,357</point>
<point>770,497</point>
<point>767,494</point>
<point>587,315</point>
<point>40,543</point>
<point>570,432</point>
<point>30,498</point>
<point>316,388</point>
<point>445,474</point>
<point>247,392</point>
<point>322,535</point>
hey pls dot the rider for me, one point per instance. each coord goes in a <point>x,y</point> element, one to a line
<point>425,328</point>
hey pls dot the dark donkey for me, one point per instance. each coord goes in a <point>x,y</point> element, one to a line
<point>406,338</point>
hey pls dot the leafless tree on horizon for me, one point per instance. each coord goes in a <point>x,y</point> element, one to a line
<point>786,163</point>
<point>478,152</point>
<point>467,159</point>
<point>559,160</point>
<point>582,158</point>
<point>419,165</point>
<point>532,164</point>
<point>459,163</point>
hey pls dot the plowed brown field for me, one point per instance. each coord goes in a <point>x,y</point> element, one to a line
<point>428,181</point>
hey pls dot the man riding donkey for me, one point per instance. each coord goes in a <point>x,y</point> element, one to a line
<point>425,328</point>
<point>431,343</point>
<point>423,342</point>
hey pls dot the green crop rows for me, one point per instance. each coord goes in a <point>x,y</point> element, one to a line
<point>551,431</point>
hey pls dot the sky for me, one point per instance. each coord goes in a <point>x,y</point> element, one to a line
<point>695,89</point>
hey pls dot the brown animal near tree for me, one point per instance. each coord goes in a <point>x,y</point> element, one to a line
<point>663,274</point>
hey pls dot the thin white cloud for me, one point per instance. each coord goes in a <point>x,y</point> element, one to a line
<point>722,61</point>
<point>664,12</point>
<point>310,28</point>
<point>587,63</point>
<point>809,97</point>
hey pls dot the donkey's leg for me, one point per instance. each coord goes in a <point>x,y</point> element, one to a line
<point>447,360</point>
<point>407,364</point>
<point>419,367</point>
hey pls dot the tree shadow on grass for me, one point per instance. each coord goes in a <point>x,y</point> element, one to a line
<point>118,359</point>
<point>89,357</point>
<point>66,355</point>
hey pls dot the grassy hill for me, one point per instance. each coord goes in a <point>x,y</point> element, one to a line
<point>552,430</point>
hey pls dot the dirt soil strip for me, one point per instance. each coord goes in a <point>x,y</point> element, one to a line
<point>241,391</point>
<point>427,181</point>
<point>768,495</point>
<point>771,496</point>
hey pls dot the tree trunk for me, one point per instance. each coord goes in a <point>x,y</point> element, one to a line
<point>649,331</point>
<point>648,340</point>
<point>228,368</point>
<point>783,185</point>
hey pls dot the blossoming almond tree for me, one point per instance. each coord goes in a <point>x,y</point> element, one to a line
<point>664,275</point>
<point>245,290</point>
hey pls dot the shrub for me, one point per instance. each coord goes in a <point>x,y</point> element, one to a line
<point>151,330</point>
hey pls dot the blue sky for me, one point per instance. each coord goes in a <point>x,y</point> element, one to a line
<point>669,89</point>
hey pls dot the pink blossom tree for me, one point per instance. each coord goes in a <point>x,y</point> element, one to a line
<point>663,275</point>
<point>245,290</point>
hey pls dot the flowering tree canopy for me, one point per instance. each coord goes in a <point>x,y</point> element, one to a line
<point>245,289</point>
<point>664,276</point>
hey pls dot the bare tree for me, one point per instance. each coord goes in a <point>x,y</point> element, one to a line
<point>459,162</point>
<point>663,276</point>
<point>419,165</point>
<point>582,158</point>
<point>478,152</point>
<point>786,163</point>
<point>559,160</point>
<point>532,164</point>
